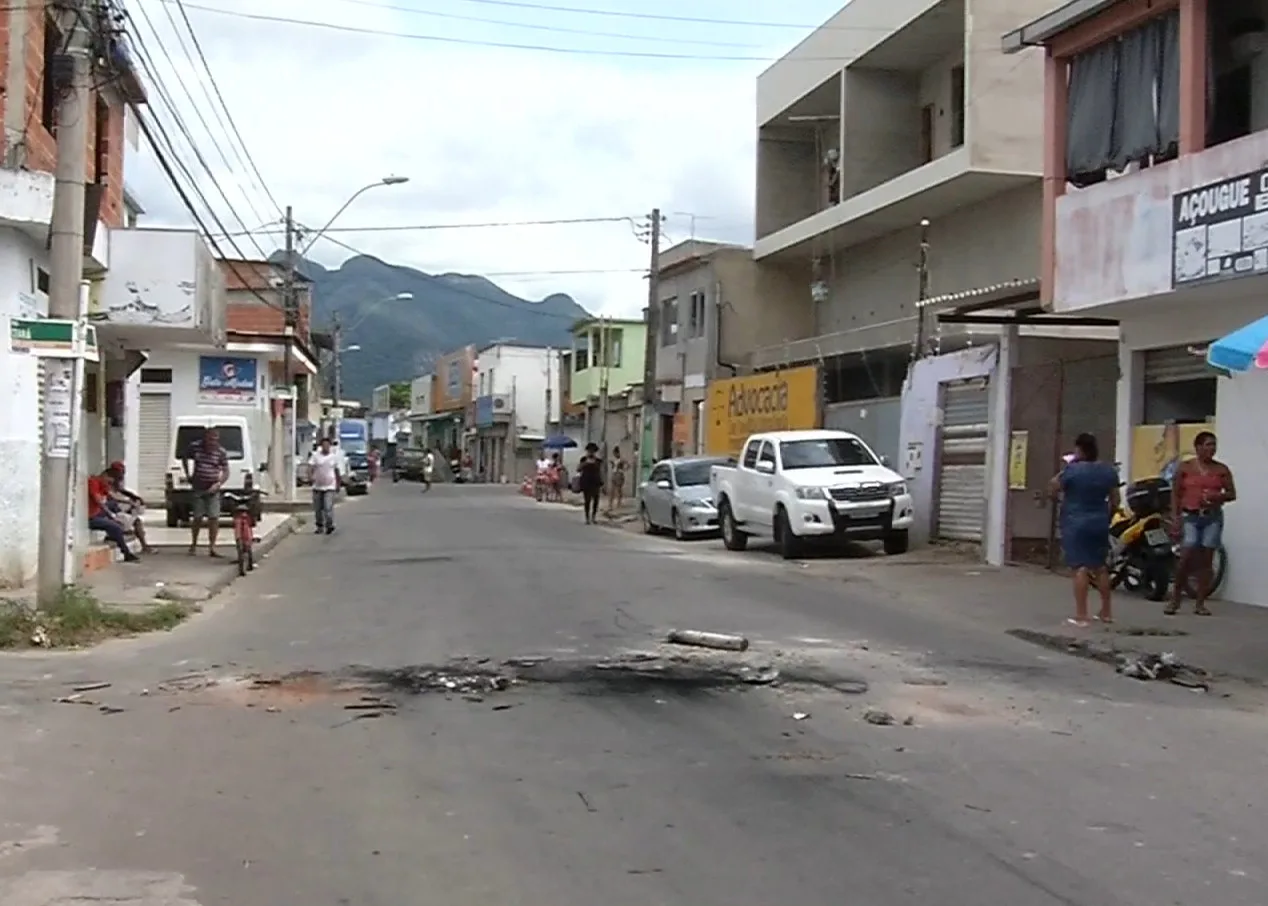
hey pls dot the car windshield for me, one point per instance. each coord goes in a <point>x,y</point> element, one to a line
<point>825,453</point>
<point>188,435</point>
<point>353,445</point>
<point>688,474</point>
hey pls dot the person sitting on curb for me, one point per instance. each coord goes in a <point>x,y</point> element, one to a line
<point>126,505</point>
<point>100,519</point>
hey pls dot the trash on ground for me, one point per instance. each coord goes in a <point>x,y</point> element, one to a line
<point>698,639</point>
<point>879,718</point>
<point>91,687</point>
<point>800,715</point>
<point>1165,667</point>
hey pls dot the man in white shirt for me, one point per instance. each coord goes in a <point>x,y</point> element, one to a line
<point>429,467</point>
<point>326,467</point>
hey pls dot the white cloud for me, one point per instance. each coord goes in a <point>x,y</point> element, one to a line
<point>484,135</point>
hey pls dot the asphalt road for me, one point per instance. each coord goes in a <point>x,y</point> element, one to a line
<point>215,775</point>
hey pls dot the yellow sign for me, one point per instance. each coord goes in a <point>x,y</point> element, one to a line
<point>1154,447</point>
<point>772,401</point>
<point>1018,451</point>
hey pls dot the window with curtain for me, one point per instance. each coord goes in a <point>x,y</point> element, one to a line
<point>1124,101</point>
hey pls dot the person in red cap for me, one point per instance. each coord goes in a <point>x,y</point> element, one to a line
<point>126,505</point>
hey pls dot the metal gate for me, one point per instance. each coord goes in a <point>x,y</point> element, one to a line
<point>877,421</point>
<point>962,443</point>
<point>1176,363</point>
<point>154,443</point>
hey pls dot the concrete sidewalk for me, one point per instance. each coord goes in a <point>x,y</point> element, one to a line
<point>1034,604</point>
<point>171,574</point>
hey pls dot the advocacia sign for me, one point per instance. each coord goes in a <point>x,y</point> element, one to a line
<point>772,401</point>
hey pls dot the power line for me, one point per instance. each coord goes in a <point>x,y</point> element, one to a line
<point>407,228</point>
<point>504,45</point>
<point>526,306</point>
<point>534,26</point>
<point>233,126</point>
<point>147,62</point>
<point>661,17</point>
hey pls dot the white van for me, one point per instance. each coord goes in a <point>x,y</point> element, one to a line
<point>239,447</point>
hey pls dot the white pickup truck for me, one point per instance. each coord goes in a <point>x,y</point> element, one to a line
<point>794,486</point>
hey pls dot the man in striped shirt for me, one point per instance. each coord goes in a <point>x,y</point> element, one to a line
<point>207,468</point>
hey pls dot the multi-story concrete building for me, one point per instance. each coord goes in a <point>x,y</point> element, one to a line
<point>607,361</point>
<point>712,315</point>
<point>30,45</point>
<point>517,401</point>
<point>899,176</point>
<point>1153,212</point>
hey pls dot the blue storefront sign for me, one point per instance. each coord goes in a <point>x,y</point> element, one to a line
<point>484,411</point>
<point>226,380</point>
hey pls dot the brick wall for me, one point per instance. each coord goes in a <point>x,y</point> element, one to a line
<point>246,312</point>
<point>40,147</point>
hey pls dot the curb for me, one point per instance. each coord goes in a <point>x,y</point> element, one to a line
<point>230,573</point>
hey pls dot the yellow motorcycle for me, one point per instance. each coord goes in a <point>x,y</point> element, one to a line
<point>1142,556</point>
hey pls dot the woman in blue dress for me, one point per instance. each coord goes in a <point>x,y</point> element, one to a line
<point>1088,493</point>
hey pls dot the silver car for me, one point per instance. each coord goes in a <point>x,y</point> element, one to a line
<point>676,497</point>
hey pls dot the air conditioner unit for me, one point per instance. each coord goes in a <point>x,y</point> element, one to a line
<point>500,404</point>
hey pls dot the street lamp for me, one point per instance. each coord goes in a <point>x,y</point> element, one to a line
<point>385,181</point>
<point>339,348</point>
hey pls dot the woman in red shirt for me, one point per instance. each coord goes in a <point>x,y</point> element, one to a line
<point>1201,488</point>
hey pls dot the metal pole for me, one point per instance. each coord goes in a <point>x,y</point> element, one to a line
<point>652,322</point>
<point>337,389</point>
<point>285,474</point>
<point>604,379</point>
<point>66,267</point>
<point>922,292</point>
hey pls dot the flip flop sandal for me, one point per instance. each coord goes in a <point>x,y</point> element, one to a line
<point>1082,624</point>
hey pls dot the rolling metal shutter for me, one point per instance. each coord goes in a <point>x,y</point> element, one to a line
<point>962,442</point>
<point>1176,363</point>
<point>154,443</point>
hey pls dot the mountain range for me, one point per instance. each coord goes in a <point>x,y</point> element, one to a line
<point>399,339</point>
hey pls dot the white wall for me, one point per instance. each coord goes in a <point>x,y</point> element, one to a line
<point>19,414</point>
<point>524,372</point>
<point>155,279</point>
<point>921,420</point>
<point>184,392</point>
<point>1243,446</point>
<point>1161,323</point>
<point>1113,239</point>
<point>420,395</point>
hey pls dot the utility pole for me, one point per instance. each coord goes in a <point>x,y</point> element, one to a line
<point>922,292</point>
<point>72,77</point>
<point>284,478</point>
<point>646,456</point>
<point>337,387</point>
<point>604,379</point>
<point>551,358</point>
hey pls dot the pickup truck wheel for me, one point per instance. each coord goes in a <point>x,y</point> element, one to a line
<point>732,537</point>
<point>789,544</point>
<point>896,543</point>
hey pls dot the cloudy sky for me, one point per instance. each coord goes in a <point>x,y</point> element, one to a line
<point>578,114</point>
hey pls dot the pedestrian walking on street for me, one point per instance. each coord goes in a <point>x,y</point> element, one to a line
<point>1088,493</point>
<point>324,467</point>
<point>1201,487</point>
<point>590,473</point>
<point>616,484</point>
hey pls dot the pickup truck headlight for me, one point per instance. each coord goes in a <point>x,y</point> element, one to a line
<point>811,494</point>
<point>897,488</point>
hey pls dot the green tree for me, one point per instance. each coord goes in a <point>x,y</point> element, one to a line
<point>400,395</point>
